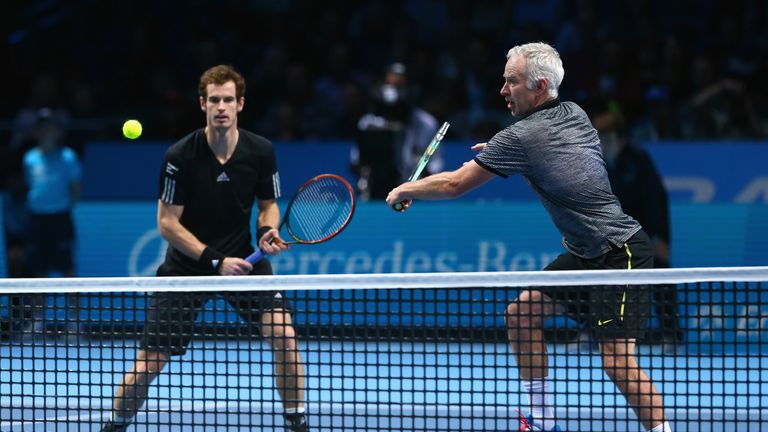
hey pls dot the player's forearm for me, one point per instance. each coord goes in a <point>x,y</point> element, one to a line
<point>269,214</point>
<point>440,186</point>
<point>181,238</point>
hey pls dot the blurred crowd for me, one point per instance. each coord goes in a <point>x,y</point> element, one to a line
<point>676,70</point>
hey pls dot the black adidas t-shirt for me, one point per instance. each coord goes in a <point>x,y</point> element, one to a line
<point>217,198</point>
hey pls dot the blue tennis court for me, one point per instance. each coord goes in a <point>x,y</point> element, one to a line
<point>368,386</point>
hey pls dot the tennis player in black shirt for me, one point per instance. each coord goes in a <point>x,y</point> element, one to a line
<point>208,184</point>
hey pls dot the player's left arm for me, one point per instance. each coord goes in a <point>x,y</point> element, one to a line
<point>445,185</point>
<point>269,216</point>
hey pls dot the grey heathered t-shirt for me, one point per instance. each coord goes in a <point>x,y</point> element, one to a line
<point>558,152</point>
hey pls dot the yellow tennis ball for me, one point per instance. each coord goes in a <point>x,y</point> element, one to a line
<point>132,129</point>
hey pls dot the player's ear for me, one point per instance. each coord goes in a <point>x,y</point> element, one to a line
<point>202,104</point>
<point>240,103</point>
<point>541,85</point>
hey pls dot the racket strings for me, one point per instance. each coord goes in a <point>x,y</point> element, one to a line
<point>320,209</point>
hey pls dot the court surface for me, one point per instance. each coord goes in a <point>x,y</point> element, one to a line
<point>359,386</point>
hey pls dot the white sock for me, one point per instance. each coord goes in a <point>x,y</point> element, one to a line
<point>541,404</point>
<point>119,420</point>
<point>296,410</point>
<point>662,428</point>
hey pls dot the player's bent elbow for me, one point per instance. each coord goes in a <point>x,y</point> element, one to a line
<point>166,228</point>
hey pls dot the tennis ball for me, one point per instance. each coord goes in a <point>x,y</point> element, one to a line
<point>132,129</point>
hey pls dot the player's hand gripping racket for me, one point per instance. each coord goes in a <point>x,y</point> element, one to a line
<point>319,210</point>
<point>430,150</point>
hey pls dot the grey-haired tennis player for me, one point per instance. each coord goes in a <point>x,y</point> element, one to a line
<point>554,146</point>
<point>209,182</point>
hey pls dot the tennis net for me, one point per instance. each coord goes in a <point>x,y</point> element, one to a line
<point>378,352</point>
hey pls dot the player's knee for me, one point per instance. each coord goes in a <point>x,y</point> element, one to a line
<point>279,335</point>
<point>518,316</point>
<point>512,315</point>
<point>151,364</point>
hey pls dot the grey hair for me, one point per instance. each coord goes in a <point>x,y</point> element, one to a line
<point>543,63</point>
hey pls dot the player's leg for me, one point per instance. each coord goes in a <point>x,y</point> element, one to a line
<point>168,329</point>
<point>277,329</point>
<point>273,311</point>
<point>132,391</point>
<point>620,364</point>
<point>525,318</point>
<point>620,317</point>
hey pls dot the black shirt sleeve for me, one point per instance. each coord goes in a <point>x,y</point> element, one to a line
<point>172,173</point>
<point>268,186</point>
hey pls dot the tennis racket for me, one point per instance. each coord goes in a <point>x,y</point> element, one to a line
<point>428,152</point>
<point>320,209</point>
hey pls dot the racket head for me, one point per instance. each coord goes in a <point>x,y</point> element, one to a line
<point>320,209</point>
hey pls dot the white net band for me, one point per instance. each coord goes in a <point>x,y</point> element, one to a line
<point>389,280</point>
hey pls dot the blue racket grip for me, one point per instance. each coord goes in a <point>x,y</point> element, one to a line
<point>256,256</point>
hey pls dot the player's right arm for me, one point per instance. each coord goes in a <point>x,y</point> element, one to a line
<point>170,227</point>
<point>445,185</point>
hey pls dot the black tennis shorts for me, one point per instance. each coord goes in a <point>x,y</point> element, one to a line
<point>170,321</point>
<point>610,312</point>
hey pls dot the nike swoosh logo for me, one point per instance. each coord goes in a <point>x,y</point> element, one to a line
<point>603,322</point>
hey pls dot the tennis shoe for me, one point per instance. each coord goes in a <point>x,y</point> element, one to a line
<point>296,423</point>
<point>111,427</point>
<point>527,424</point>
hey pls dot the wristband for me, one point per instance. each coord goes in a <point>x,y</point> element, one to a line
<point>211,258</point>
<point>261,231</point>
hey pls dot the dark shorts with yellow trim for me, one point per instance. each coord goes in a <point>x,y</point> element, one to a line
<point>171,324</point>
<point>610,312</point>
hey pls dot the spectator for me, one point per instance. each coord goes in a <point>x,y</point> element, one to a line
<point>392,137</point>
<point>721,108</point>
<point>52,175</point>
<point>458,36</point>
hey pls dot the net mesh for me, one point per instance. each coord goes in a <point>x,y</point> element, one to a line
<point>399,352</point>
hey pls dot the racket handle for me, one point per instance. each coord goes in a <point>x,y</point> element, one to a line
<point>399,206</point>
<point>256,256</point>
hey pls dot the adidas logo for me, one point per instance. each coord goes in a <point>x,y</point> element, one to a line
<point>223,177</point>
<point>278,295</point>
<point>214,263</point>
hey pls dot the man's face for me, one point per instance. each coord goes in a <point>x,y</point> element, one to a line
<point>519,98</point>
<point>221,105</point>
